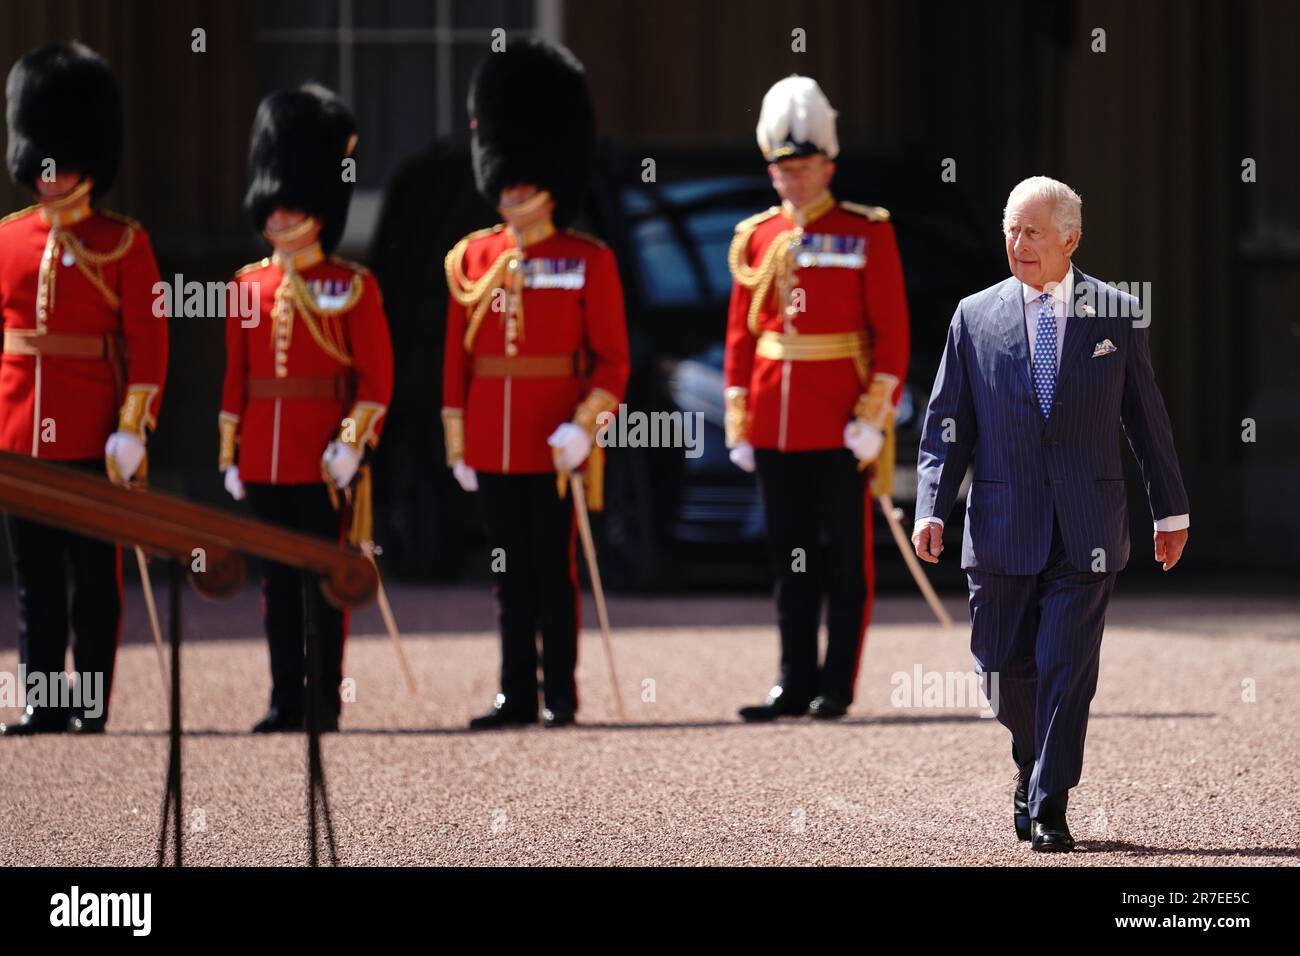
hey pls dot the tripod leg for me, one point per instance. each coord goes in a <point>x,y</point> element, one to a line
<point>316,794</point>
<point>171,806</point>
<point>328,821</point>
<point>313,718</point>
<point>174,615</point>
<point>166,812</point>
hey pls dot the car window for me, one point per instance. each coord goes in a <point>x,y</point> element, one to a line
<point>690,270</point>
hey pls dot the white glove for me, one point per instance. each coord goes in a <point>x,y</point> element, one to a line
<point>341,461</point>
<point>742,456</point>
<point>574,446</point>
<point>127,452</point>
<point>864,441</point>
<point>233,484</point>
<point>465,476</point>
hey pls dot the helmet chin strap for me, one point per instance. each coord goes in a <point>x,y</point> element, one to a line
<point>69,207</point>
<point>68,198</point>
<point>290,234</point>
<point>530,220</point>
<point>523,214</point>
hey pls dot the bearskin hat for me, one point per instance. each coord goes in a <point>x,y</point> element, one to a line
<point>62,104</point>
<point>295,159</point>
<point>533,122</point>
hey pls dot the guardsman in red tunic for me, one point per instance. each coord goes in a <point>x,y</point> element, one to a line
<point>817,347</point>
<point>85,355</point>
<point>308,378</point>
<point>536,352</point>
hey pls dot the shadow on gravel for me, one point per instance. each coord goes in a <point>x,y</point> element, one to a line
<point>1134,849</point>
<point>666,725</point>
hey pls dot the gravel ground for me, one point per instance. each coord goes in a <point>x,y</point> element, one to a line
<point>1191,752</point>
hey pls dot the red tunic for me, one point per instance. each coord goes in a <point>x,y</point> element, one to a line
<point>281,440</point>
<point>851,280</point>
<point>62,407</point>
<point>572,305</point>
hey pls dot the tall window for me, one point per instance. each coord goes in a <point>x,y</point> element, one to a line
<point>403,66</point>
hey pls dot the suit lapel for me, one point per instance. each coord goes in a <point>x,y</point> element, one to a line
<point>1079,326</point>
<point>1015,338</point>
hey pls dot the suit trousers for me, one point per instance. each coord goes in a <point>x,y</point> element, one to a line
<point>531,533</point>
<point>819,535</point>
<point>304,508</point>
<point>1037,644</point>
<point>48,563</point>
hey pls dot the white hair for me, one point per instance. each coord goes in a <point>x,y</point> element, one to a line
<point>1067,207</point>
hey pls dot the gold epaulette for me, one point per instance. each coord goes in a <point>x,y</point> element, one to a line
<point>123,245</point>
<point>253,267</point>
<point>356,267</point>
<point>738,254</point>
<point>118,217</point>
<point>586,236</point>
<point>750,223</point>
<point>873,213</point>
<point>19,213</point>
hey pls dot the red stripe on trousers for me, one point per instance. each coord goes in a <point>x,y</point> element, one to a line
<point>869,573</point>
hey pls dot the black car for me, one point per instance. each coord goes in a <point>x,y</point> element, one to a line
<point>675,518</point>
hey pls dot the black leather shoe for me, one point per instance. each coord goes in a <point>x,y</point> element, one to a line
<point>827,707</point>
<point>778,704</point>
<point>277,721</point>
<point>503,714</point>
<point>37,720</point>
<point>1020,803</point>
<point>561,717</point>
<point>1051,835</point>
<point>79,723</point>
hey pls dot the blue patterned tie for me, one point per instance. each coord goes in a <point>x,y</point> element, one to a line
<point>1045,354</point>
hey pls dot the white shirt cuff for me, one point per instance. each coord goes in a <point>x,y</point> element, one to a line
<point>1174,523</point>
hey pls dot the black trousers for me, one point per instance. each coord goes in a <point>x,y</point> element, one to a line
<point>48,563</point>
<point>530,531</point>
<point>304,508</point>
<point>819,535</point>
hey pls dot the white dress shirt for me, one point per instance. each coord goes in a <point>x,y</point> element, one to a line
<point>1061,294</point>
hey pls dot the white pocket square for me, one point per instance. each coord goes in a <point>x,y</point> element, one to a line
<point>1104,347</point>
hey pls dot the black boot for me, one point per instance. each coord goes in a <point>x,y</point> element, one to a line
<point>79,723</point>
<point>277,721</point>
<point>828,707</point>
<point>1050,833</point>
<point>779,703</point>
<point>559,717</point>
<point>37,720</point>
<point>505,713</point>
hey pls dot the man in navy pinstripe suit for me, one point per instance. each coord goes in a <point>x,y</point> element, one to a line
<point>1039,376</point>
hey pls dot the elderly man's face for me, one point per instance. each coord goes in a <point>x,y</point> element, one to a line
<point>1035,251</point>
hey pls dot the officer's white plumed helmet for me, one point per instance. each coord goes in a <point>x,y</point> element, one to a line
<point>796,120</point>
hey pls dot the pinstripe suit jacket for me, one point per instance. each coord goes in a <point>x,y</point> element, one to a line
<point>983,411</point>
